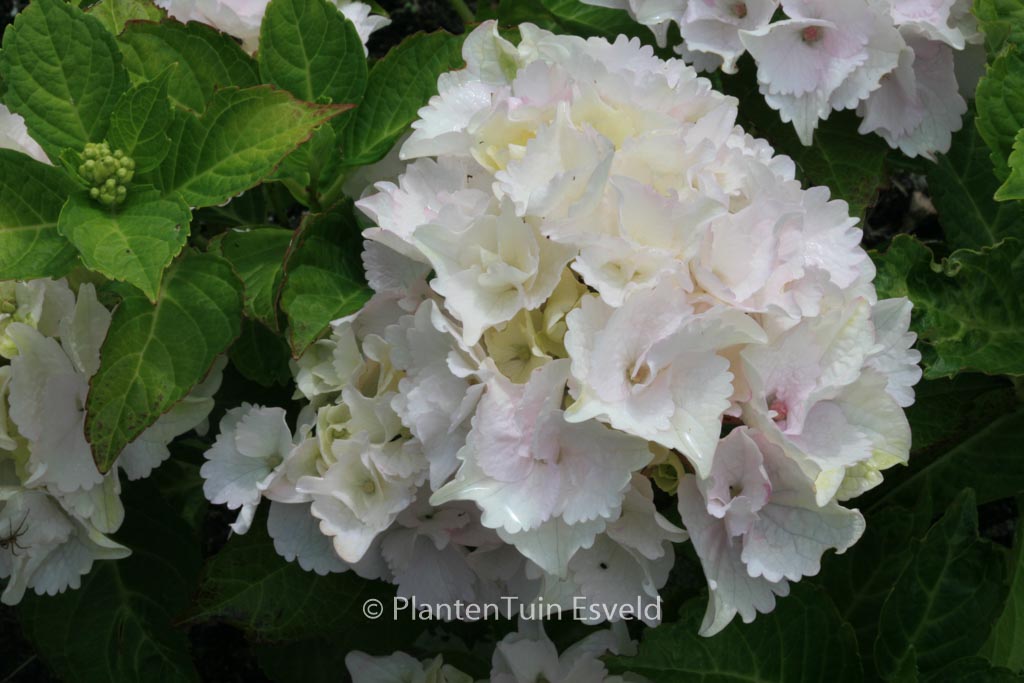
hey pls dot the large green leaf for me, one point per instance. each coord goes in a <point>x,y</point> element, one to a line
<point>261,355</point>
<point>239,140</point>
<point>31,194</point>
<point>988,461</point>
<point>134,242</point>
<point>118,625</point>
<point>257,256</point>
<point>114,14</point>
<point>206,59</point>
<point>851,165</point>
<point>399,84</point>
<point>804,639</point>
<point>1005,647</point>
<point>323,277</point>
<point>63,73</point>
<point>154,355</point>
<point>308,48</point>
<point>138,126</point>
<point>940,609</point>
<point>1000,103</point>
<point>860,580</point>
<point>968,310</point>
<point>1002,21</point>
<point>962,186</point>
<point>249,585</point>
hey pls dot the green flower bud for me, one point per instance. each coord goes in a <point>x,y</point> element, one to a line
<point>107,172</point>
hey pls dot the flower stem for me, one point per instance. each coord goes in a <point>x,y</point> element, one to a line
<point>462,9</point>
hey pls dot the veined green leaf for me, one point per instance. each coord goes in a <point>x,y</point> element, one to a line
<point>941,607</point>
<point>206,59</point>
<point>310,49</point>
<point>962,185</point>
<point>257,256</point>
<point>31,196</point>
<point>1000,103</point>
<point>63,74</point>
<point>154,354</point>
<point>138,126</point>
<point>235,143</point>
<point>114,14</point>
<point>323,275</point>
<point>399,84</point>
<point>968,310</point>
<point>133,242</point>
<point>1013,188</point>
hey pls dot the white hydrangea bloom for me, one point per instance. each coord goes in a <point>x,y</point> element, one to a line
<point>56,509</point>
<point>584,270</point>
<point>242,18</point>
<point>755,525</point>
<point>891,60</point>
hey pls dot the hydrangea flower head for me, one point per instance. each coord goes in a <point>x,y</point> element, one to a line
<point>585,274</point>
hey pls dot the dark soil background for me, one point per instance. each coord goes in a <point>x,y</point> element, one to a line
<point>222,653</point>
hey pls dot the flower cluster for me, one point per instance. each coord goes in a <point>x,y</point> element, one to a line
<point>891,60</point>
<point>56,508</point>
<point>242,18</point>
<point>586,272</point>
<point>525,656</point>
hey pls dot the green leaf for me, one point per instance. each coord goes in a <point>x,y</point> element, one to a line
<point>118,625</point>
<point>988,461</point>
<point>1002,21</point>
<point>1013,188</point>
<point>206,59</point>
<point>310,49</point>
<point>154,355</point>
<point>261,355</point>
<point>962,185</point>
<point>31,194</point>
<point>971,670</point>
<point>138,126</point>
<point>968,310</point>
<point>399,84</point>
<point>114,14</point>
<point>851,165</point>
<point>133,243</point>
<point>860,580</point>
<point>948,408</point>
<point>249,585</point>
<point>940,609</point>
<point>804,639</point>
<point>323,277</point>
<point>239,140</point>
<point>1005,647</point>
<point>1000,103</point>
<point>257,257</point>
<point>63,73</point>
<point>572,16</point>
